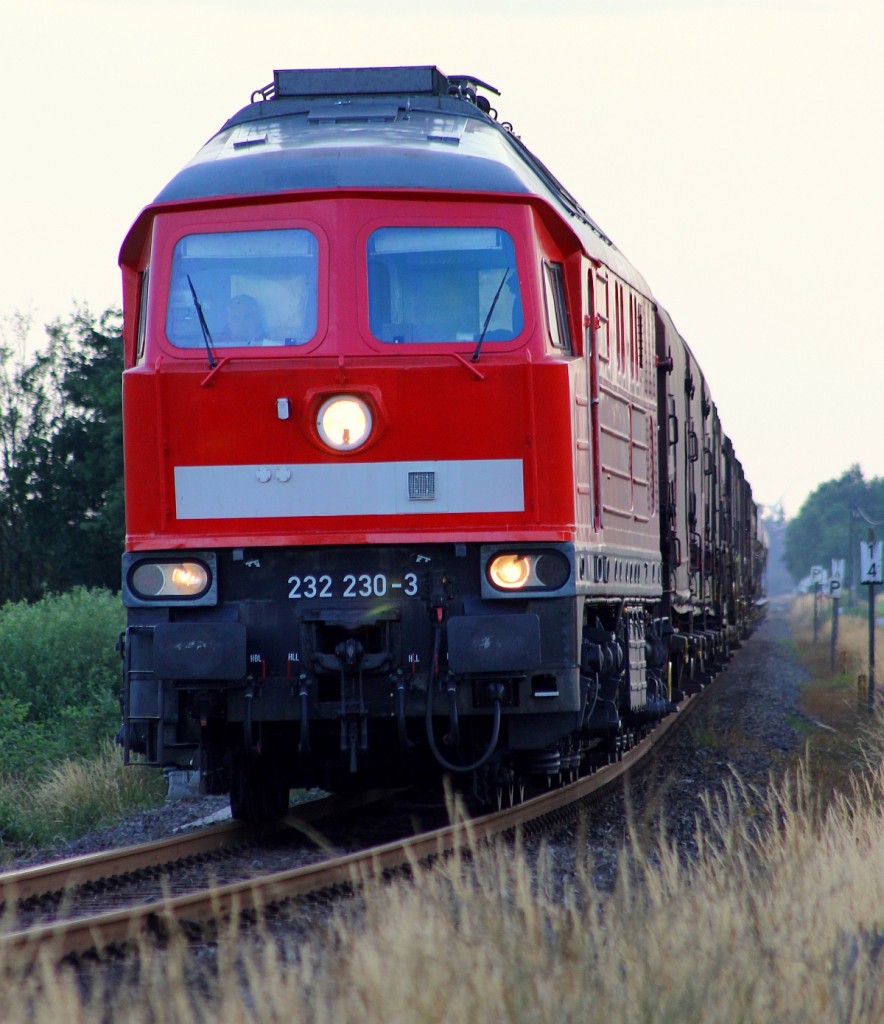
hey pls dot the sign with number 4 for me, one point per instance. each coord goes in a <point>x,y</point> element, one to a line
<point>870,568</point>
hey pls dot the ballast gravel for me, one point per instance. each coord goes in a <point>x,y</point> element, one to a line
<point>747,729</point>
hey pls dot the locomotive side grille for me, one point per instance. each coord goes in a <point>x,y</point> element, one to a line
<point>422,486</point>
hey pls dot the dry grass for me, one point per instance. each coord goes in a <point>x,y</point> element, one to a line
<point>779,918</point>
<point>853,639</point>
<point>851,739</point>
<point>75,796</point>
<point>777,927</point>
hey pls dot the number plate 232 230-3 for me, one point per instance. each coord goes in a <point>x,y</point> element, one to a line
<point>351,584</point>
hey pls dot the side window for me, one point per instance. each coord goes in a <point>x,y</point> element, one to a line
<point>640,334</point>
<point>603,313</point>
<point>590,321</point>
<point>672,416</point>
<point>142,316</point>
<point>693,448</point>
<point>556,308</point>
<point>620,327</point>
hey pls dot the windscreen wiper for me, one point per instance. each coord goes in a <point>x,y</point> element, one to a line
<point>478,348</point>
<point>207,338</point>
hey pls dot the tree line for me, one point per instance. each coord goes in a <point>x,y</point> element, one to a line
<point>832,522</point>
<point>61,455</point>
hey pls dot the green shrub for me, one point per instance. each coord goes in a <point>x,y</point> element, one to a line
<point>59,653</point>
<point>60,679</point>
<point>24,745</point>
<point>28,749</point>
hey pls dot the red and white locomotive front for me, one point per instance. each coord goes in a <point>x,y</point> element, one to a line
<point>352,451</point>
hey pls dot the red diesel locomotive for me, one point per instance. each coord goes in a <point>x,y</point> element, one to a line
<point>417,470</point>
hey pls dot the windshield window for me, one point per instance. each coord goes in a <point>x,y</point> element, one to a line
<point>253,287</point>
<point>443,284</point>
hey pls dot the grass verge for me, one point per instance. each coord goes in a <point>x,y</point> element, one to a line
<point>770,923</point>
<point>850,738</point>
<point>73,797</point>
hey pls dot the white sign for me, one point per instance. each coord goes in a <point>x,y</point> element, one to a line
<point>836,578</point>
<point>870,568</point>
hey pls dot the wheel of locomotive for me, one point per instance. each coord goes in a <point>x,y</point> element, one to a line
<point>258,794</point>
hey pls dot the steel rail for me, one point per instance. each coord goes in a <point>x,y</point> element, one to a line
<point>120,927</point>
<point>61,875</point>
<point>57,876</point>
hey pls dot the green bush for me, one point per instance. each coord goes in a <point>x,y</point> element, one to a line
<point>58,655</point>
<point>60,679</point>
<point>23,744</point>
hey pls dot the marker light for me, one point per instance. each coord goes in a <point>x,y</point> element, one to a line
<point>529,570</point>
<point>344,423</point>
<point>169,579</point>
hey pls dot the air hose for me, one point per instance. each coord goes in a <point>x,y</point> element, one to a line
<point>495,729</point>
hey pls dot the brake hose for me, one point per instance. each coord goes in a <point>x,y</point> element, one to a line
<point>495,729</point>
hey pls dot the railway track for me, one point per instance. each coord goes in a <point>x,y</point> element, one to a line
<point>20,947</point>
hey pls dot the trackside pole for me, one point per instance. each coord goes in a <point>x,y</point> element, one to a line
<point>871,572</point>
<point>834,651</point>
<point>871,647</point>
<point>817,575</point>
<point>835,583</point>
<point>816,611</point>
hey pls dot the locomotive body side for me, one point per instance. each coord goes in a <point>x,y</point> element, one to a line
<point>412,515</point>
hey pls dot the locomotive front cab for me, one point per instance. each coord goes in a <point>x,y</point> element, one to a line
<point>341,550</point>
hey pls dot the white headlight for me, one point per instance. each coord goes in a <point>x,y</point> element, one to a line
<point>509,572</point>
<point>344,422</point>
<point>538,570</point>
<point>151,580</point>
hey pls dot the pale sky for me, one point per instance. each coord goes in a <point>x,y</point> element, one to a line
<point>733,151</point>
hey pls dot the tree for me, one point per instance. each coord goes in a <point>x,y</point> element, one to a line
<point>83,474</point>
<point>24,431</point>
<point>825,527</point>
<point>61,462</point>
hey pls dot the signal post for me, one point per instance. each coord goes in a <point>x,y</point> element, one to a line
<point>835,583</point>
<point>871,572</point>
